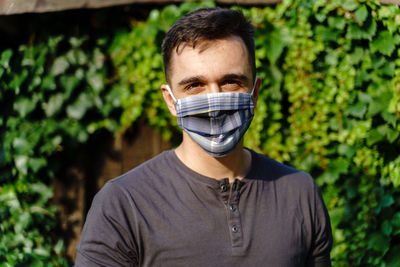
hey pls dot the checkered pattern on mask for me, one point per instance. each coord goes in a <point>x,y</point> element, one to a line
<point>216,121</point>
<point>215,113</point>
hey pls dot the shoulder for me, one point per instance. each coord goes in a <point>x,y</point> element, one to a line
<point>271,170</point>
<point>142,181</point>
<point>125,194</point>
<point>149,172</point>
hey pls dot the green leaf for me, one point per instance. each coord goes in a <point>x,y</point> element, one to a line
<point>59,247</point>
<point>374,136</point>
<point>5,58</point>
<point>320,17</point>
<point>337,22</point>
<point>69,83</point>
<point>276,42</point>
<point>41,252</point>
<point>24,219</point>
<point>98,58</point>
<point>392,258</point>
<point>21,145</point>
<point>385,130</point>
<point>60,65</point>
<point>389,118</point>
<point>53,105</point>
<point>358,110</point>
<point>349,5</point>
<point>363,97</point>
<point>276,78</point>
<point>37,262</point>
<point>332,57</point>
<point>348,151</point>
<point>389,69</point>
<point>328,177</point>
<point>78,109</point>
<point>48,82</point>
<point>362,76</point>
<point>335,168</point>
<point>168,16</point>
<point>2,71</point>
<point>340,165</point>
<point>21,162</point>
<point>367,31</point>
<point>379,103</point>
<point>387,201</point>
<point>24,106</point>
<point>96,80</point>
<point>387,11</point>
<point>379,242</point>
<point>36,81</point>
<point>37,163</point>
<point>396,220</point>
<point>385,43</point>
<point>357,55</point>
<point>54,41</point>
<point>327,34</point>
<point>386,228</point>
<point>56,140</point>
<point>361,13</point>
<point>392,135</point>
<point>18,79</point>
<point>45,192</point>
<point>76,57</point>
<point>76,42</point>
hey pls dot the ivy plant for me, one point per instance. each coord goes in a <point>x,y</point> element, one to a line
<point>329,105</point>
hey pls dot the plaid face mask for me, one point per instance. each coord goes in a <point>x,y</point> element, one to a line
<point>216,121</point>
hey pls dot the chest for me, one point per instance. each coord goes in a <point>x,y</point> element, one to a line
<point>254,227</point>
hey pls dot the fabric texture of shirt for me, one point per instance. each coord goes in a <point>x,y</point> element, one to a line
<point>162,213</point>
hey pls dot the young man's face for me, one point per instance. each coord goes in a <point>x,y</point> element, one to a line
<point>212,66</point>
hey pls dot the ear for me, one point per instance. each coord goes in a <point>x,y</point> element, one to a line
<point>168,99</point>
<point>256,92</point>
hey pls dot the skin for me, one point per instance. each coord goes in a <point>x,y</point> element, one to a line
<point>212,66</point>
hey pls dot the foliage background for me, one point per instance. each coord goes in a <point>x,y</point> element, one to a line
<point>330,105</point>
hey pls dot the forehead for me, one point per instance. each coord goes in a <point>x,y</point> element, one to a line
<point>209,58</point>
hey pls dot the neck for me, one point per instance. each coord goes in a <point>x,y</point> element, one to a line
<point>233,166</point>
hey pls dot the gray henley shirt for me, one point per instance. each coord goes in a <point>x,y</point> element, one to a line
<point>162,213</point>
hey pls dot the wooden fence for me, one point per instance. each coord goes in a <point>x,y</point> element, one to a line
<point>102,159</point>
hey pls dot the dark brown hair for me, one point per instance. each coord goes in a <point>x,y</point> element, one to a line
<point>209,24</point>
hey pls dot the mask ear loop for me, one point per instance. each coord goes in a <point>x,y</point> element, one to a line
<point>254,86</point>
<point>172,95</point>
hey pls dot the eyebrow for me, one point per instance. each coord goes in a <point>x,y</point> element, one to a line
<point>194,79</point>
<point>240,77</point>
<point>191,80</point>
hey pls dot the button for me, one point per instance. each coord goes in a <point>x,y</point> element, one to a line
<point>232,208</point>
<point>224,188</point>
<point>235,229</point>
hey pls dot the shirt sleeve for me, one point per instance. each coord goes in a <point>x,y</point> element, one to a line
<point>107,238</point>
<point>322,234</point>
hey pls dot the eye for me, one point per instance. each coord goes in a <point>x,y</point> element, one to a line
<point>193,87</point>
<point>232,85</point>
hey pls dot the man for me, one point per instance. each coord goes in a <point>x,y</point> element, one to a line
<point>209,202</point>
